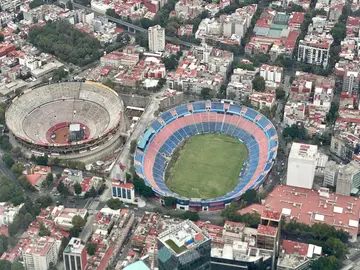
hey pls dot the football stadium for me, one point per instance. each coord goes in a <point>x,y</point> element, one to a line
<point>69,119</point>
<point>206,154</point>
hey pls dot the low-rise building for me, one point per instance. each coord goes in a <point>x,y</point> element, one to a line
<point>8,212</point>
<point>125,192</point>
<point>261,100</point>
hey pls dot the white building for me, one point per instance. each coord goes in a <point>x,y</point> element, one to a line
<point>271,73</point>
<point>40,253</point>
<point>315,49</point>
<point>8,212</point>
<point>348,180</point>
<point>123,192</point>
<point>330,173</point>
<point>302,165</point>
<point>74,255</point>
<point>323,97</point>
<point>156,36</point>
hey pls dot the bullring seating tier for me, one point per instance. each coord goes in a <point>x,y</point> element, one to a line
<point>249,126</point>
<point>30,116</point>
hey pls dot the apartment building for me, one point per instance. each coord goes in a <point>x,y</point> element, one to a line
<point>271,73</point>
<point>156,36</point>
<point>315,50</point>
<point>74,255</point>
<point>40,253</point>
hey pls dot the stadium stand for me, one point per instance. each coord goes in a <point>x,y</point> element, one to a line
<point>245,124</point>
<point>39,111</point>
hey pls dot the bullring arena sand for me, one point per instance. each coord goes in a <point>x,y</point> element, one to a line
<point>62,135</point>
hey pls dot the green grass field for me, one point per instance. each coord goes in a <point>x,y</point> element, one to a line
<point>206,166</point>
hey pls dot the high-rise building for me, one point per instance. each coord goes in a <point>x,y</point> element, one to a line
<point>156,36</point>
<point>75,255</point>
<point>348,180</point>
<point>184,246</point>
<point>330,173</point>
<point>40,253</point>
<point>351,82</point>
<point>301,165</point>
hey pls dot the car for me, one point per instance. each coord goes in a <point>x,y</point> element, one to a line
<point>126,206</point>
<point>136,208</point>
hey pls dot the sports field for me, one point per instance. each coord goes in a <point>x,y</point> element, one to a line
<point>206,166</point>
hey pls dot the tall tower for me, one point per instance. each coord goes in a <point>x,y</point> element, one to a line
<point>184,246</point>
<point>156,36</point>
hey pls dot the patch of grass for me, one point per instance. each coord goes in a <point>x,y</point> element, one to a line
<point>175,247</point>
<point>206,166</point>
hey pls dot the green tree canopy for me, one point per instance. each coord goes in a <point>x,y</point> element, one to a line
<point>91,248</point>
<point>9,161</point>
<point>114,204</point>
<point>169,201</point>
<point>258,84</point>
<point>17,168</point>
<point>66,42</point>
<point>77,188</point>
<point>78,222</point>
<point>206,93</point>
<point>43,231</point>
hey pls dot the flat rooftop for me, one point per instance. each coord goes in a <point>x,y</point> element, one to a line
<point>267,230</point>
<point>303,151</point>
<point>183,237</point>
<point>271,214</point>
<point>312,206</point>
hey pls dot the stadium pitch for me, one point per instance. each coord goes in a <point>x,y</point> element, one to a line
<point>206,166</point>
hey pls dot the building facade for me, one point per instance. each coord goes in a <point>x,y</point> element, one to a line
<point>184,246</point>
<point>39,254</point>
<point>74,255</point>
<point>330,173</point>
<point>156,36</point>
<point>123,192</point>
<point>315,50</point>
<point>348,180</point>
<point>301,165</point>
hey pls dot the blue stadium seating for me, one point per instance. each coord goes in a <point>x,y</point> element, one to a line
<point>166,116</point>
<point>251,114</point>
<point>199,106</point>
<point>235,109</point>
<point>167,148</point>
<point>181,110</point>
<point>156,125</point>
<point>216,106</point>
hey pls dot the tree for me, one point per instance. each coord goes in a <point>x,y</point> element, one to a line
<point>238,64</point>
<point>66,42</point>
<point>43,231</point>
<point>193,216</point>
<point>325,263</point>
<point>249,196</point>
<point>171,63</point>
<point>267,112</point>
<point>92,192</point>
<point>280,94</point>
<point>258,84</point>
<point>133,145</point>
<point>2,38</point>
<point>91,248</point>
<point>62,189</point>
<point>114,204</point>
<point>170,201</point>
<point>8,160</point>
<point>35,3</point>
<point>78,222</point>
<point>17,168</point>
<point>26,184</point>
<point>49,179</point>
<point>5,265</point>
<point>335,247</point>
<point>16,152</point>
<point>52,266</point>
<point>17,266</point>
<point>295,132</point>
<point>77,188</point>
<point>206,93</point>
<point>59,74</point>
